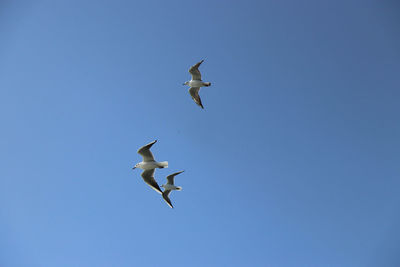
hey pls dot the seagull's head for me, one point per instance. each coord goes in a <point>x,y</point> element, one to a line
<point>134,167</point>
<point>186,83</point>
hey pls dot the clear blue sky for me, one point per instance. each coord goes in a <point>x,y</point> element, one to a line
<point>295,160</point>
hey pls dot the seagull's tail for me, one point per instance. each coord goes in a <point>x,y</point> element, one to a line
<point>207,84</point>
<point>179,188</point>
<point>163,164</point>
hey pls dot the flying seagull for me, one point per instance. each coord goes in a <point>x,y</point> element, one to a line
<point>195,83</point>
<point>149,165</point>
<point>169,186</point>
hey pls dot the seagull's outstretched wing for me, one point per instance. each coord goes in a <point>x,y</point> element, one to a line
<point>145,152</point>
<point>194,93</point>
<point>148,177</point>
<point>194,71</point>
<point>165,196</point>
<point>170,178</point>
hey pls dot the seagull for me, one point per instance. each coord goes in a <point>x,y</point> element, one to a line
<point>169,186</point>
<point>195,83</point>
<point>149,165</point>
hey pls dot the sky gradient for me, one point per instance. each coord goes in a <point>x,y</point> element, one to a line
<point>294,161</point>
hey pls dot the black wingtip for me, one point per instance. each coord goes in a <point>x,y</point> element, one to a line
<point>169,204</point>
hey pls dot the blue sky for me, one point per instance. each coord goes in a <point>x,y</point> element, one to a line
<point>293,162</point>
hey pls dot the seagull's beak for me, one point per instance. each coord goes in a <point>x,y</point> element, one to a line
<point>183,83</point>
<point>133,168</point>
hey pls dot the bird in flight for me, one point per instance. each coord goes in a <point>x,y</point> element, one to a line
<point>148,165</point>
<point>169,186</point>
<point>195,83</point>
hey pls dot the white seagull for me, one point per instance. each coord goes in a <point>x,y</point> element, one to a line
<point>195,83</point>
<point>169,186</point>
<point>149,165</point>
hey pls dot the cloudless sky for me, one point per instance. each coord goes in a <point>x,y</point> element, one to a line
<point>294,161</point>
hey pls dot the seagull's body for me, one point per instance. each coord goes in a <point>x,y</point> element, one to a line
<point>196,83</point>
<point>169,186</point>
<point>148,165</point>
